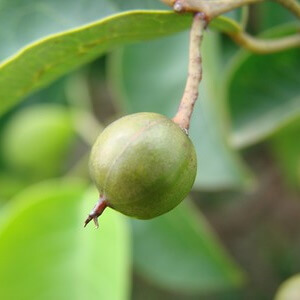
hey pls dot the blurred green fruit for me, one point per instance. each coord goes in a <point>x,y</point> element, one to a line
<point>290,289</point>
<point>143,165</point>
<point>37,139</point>
<point>10,185</point>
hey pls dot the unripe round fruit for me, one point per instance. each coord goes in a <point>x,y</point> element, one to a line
<point>36,140</point>
<point>143,165</point>
<point>289,289</point>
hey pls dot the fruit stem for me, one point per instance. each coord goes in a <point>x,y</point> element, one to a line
<point>97,211</point>
<point>190,95</point>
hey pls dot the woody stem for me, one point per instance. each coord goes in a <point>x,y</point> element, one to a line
<point>190,95</point>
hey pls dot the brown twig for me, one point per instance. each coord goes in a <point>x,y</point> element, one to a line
<point>190,94</point>
<point>211,8</point>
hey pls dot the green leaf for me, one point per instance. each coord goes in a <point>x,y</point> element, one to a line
<point>270,14</point>
<point>179,251</point>
<point>35,19</point>
<point>238,15</point>
<point>263,93</point>
<point>46,253</point>
<point>138,4</point>
<point>285,146</point>
<point>10,184</point>
<point>151,77</point>
<point>41,62</point>
<point>225,24</point>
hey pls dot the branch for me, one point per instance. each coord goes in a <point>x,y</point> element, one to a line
<point>292,5</point>
<point>214,8</point>
<point>190,94</point>
<point>264,46</point>
<point>211,8</point>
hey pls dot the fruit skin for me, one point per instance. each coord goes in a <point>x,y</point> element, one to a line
<point>143,165</point>
<point>289,289</point>
<point>37,139</point>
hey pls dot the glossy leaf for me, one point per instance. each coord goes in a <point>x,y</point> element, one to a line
<point>179,251</point>
<point>46,60</point>
<point>263,94</point>
<point>46,253</point>
<point>35,19</point>
<point>43,61</point>
<point>151,77</point>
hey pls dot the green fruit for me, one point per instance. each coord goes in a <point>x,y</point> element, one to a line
<point>143,165</point>
<point>37,139</point>
<point>10,185</point>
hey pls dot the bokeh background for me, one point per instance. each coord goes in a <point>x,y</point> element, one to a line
<point>237,236</point>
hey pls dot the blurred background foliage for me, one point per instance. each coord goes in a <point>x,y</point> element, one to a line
<point>236,237</point>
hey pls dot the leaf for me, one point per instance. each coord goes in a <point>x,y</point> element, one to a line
<point>285,146</point>
<point>263,92</point>
<point>271,13</point>
<point>151,77</point>
<point>35,19</point>
<point>59,54</point>
<point>178,251</point>
<point>138,4</point>
<point>225,24</point>
<point>46,254</point>
<point>43,61</point>
<point>10,184</point>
